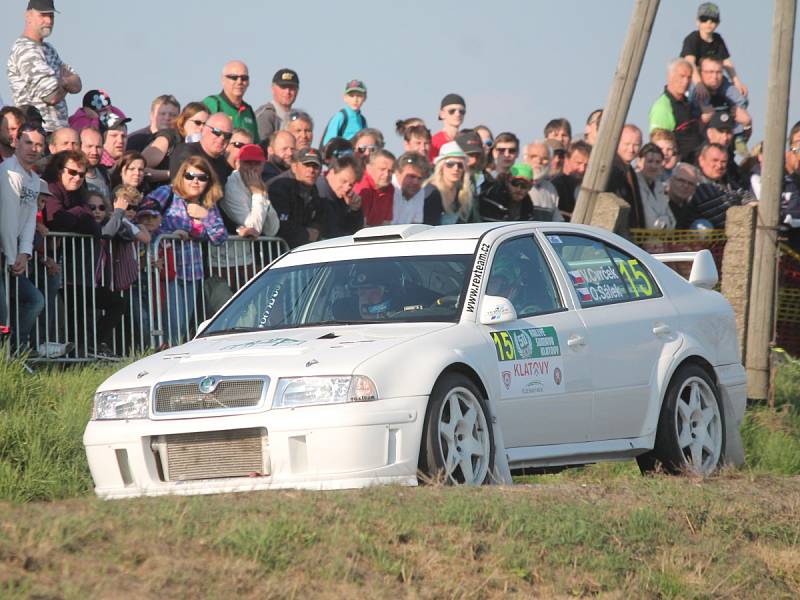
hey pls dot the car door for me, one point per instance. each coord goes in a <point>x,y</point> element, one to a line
<point>628,323</point>
<point>546,389</point>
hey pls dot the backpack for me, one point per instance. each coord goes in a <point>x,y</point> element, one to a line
<point>342,127</point>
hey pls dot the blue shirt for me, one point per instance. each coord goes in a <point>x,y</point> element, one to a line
<point>355,123</point>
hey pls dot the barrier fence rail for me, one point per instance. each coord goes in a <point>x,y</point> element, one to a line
<point>110,298</point>
<point>100,299</point>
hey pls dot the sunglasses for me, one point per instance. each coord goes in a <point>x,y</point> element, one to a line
<point>505,150</point>
<point>132,206</point>
<point>488,143</point>
<point>197,122</point>
<point>520,183</point>
<point>707,19</point>
<point>364,149</point>
<point>452,111</point>
<point>225,135</point>
<point>75,173</point>
<point>238,144</point>
<point>203,177</point>
<point>99,207</point>
<point>235,77</point>
<point>454,164</point>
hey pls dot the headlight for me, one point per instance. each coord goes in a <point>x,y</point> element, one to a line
<point>302,391</point>
<point>121,404</point>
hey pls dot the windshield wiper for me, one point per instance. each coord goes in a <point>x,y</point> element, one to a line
<point>231,330</point>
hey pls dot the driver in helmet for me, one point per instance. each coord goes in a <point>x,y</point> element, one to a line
<point>504,278</point>
<point>374,284</point>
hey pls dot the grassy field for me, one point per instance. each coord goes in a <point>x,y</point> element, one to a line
<point>598,531</point>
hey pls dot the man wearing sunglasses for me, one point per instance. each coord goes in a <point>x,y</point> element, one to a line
<point>296,200</point>
<point>19,192</point>
<point>215,136</point>
<point>230,101</point>
<point>451,113</point>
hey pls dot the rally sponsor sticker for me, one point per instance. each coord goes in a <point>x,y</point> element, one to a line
<point>529,361</point>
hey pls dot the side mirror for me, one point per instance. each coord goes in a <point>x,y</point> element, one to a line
<point>201,328</point>
<point>704,271</point>
<point>496,310</point>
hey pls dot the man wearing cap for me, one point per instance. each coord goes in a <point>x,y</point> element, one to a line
<point>349,120</point>
<point>507,199</point>
<point>214,137</point>
<point>472,145</point>
<point>452,110</point>
<point>36,73</point>
<point>672,110</point>
<point>230,101</point>
<point>279,155</point>
<point>115,138</point>
<point>568,183</point>
<point>720,131</point>
<point>19,192</point>
<point>271,116</point>
<point>294,197</point>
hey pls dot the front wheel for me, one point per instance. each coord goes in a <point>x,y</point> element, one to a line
<point>691,427</point>
<point>457,439</point>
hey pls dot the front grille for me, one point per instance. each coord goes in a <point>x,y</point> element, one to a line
<point>213,454</point>
<point>229,394</point>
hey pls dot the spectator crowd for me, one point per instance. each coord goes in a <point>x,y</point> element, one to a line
<point>218,169</point>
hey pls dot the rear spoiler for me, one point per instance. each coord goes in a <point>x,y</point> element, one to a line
<point>704,272</point>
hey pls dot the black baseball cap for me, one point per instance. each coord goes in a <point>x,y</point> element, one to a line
<point>43,6</point>
<point>286,78</point>
<point>470,142</point>
<point>308,156</point>
<point>453,99</point>
<point>721,121</point>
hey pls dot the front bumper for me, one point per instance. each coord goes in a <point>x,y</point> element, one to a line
<point>316,447</point>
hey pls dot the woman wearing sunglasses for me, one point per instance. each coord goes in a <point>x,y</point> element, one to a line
<point>188,128</point>
<point>451,180</point>
<point>189,206</point>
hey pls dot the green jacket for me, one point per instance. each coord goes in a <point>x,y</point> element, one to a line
<point>243,116</point>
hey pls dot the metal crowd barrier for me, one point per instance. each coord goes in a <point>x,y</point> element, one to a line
<point>77,303</point>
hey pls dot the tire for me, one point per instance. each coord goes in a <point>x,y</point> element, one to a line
<point>457,438</point>
<point>691,427</point>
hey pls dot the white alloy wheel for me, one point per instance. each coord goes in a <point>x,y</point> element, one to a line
<point>698,426</point>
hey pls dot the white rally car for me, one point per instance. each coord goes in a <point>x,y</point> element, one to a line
<point>463,351</point>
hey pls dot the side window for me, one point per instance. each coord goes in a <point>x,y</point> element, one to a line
<point>520,273</point>
<point>602,274</point>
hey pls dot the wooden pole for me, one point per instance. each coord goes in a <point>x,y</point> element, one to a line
<point>762,298</point>
<point>616,109</point>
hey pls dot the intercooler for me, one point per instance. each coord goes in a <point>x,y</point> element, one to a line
<point>212,454</point>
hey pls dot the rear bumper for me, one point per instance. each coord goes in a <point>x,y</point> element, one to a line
<point>324,447</point>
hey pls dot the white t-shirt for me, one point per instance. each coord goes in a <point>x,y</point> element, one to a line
<point>19,191</point>
<point>405,211</point>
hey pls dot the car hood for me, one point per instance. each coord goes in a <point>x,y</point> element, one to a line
<point>324,350</point>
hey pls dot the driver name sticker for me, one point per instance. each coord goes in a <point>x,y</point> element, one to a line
<point>529,361</point>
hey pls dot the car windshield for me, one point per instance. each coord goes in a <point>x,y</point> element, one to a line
<point>395,289</point>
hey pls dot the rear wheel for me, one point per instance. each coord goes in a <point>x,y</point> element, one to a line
<point>691,427</point>
<point>457,439</point>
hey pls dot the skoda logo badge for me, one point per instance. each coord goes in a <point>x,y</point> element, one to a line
<point>208,384</point>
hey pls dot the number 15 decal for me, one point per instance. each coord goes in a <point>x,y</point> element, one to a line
<point>638,280</point>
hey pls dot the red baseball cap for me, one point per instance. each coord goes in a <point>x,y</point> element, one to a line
<point>252,152</point>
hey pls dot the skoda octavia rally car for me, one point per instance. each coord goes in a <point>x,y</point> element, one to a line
<point>467,350</point>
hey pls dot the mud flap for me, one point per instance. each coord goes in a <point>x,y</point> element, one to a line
<point>733,452</point>
<point>501,474</point>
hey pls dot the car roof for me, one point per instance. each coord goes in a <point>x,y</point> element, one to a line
<point>427,233</point>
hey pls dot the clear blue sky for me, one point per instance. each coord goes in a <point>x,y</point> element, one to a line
<point>518,64</point>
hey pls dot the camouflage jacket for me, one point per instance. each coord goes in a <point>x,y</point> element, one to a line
<point>33,74</point>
